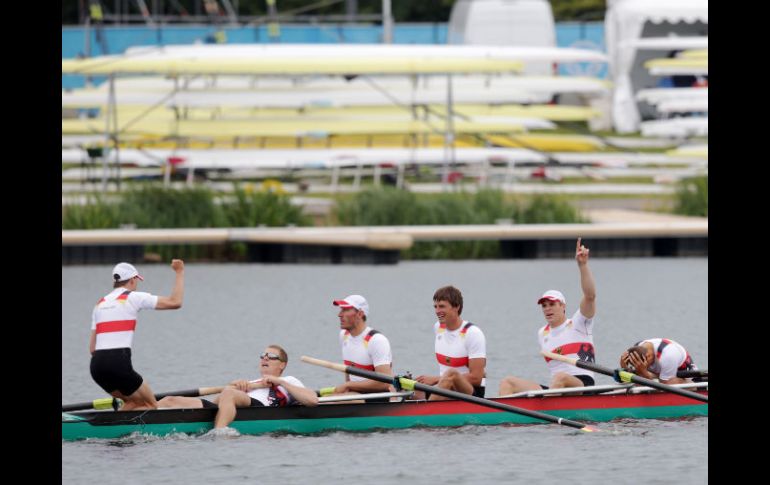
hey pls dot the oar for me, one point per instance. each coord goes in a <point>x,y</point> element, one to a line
<point>411,385</point>
<point>621,375</point>
<point>693,373</point>
<point>114,403</point>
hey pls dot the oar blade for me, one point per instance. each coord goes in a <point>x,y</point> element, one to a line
<point>590,429</point>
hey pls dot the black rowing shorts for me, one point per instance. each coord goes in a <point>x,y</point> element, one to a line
<point>478,391</point>
<point>112,370</point>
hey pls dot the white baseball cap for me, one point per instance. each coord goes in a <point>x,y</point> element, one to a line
<point>353,301</point>
<point>553,295</point>
<point>125,271</point>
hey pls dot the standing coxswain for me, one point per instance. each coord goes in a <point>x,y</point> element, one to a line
<point>113,323</point>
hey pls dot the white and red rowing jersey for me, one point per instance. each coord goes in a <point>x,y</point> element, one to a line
<point>367,350</point>
<point>573,338</point>
<point>670,357</point>
<point>114,317</point>
<point>275,396</point>
<point>455,347</point>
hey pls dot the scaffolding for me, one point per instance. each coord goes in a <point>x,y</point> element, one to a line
<point>123,12</point>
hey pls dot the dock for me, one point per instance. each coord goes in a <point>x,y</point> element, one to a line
<point>612,234</point>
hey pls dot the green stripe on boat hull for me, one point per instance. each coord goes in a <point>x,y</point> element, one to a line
<point>75,429</point>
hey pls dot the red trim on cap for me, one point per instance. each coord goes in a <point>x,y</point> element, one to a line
<point>549,298</point>
<point>342,304</point>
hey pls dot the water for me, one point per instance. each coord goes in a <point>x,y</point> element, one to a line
<point>232,312</point>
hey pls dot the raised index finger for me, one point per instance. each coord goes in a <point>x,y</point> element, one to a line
<point>577,249</point>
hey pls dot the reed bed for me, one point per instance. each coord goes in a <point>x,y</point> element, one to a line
<point>692,197</point>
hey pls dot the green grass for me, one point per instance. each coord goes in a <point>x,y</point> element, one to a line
<point>147,206</point>
<point>692,197</point>
<point>388,206</point>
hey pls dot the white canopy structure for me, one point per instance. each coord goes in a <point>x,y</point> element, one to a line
<point>624,27</point>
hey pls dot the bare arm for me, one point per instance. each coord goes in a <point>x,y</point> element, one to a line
<point>174,301</point>
<point>476,368</point>
<point>302,394</point>
<point>588,302</point>
<point>367,385</point>
<point>92,342</point>
<point>641,365</point>
<point>428,380</point>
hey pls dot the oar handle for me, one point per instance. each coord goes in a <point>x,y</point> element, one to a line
<point>323,363</point>
<point>693,373</point>
<point>562,358</point>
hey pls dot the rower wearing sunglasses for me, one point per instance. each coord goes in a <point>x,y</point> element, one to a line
<point>271,390</point>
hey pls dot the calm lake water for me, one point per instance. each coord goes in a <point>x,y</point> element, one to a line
<point>231,312</point>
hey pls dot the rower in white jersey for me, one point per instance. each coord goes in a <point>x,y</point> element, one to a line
<point>112,332</point>
<point>272,389</point>
<point>362,347</point>
<point>571,337</point>
<point>460,348</point>
<point>658,358</point>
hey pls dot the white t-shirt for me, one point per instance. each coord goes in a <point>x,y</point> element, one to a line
<point>114,317</point>
<point>573,338</point>
<point>365,351</point>
<point>263,394</point>
<point>454,347</point>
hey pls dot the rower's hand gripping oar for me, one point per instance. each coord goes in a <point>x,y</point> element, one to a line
<point>115,403</point>
<point>411,385</point>
<point>622,376</point>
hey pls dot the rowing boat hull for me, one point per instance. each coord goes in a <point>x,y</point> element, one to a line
<point>370,416</point>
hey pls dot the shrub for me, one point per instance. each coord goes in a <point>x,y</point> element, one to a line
<point>692,197</point>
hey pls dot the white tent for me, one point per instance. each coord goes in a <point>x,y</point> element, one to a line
<point>624,26</point>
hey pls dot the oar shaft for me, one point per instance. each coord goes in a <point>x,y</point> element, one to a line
<point>199,391</point>
<point>106,403</point>
<point>410,384</point>
<point>626,376</point>
<point>101,403</point>
<point>693,373</point>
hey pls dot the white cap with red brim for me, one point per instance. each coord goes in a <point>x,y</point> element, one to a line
<point>552,295</point>
<point>353,301</point>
